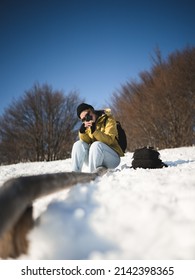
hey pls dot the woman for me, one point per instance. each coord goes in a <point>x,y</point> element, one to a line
<point>97,145</point>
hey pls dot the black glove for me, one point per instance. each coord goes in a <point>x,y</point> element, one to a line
<point>82,128</point>
<point>93,128</point>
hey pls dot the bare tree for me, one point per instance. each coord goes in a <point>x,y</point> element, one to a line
<point>159,110</point>
<point>39,126</point>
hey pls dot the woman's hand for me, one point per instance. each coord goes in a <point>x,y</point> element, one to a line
<point>88,124</point>
<point>91,125</point>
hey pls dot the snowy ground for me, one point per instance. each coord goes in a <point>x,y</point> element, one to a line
<point>127,214</point>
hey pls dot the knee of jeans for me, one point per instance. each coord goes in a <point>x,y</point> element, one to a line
<point>80,145</point>
<point>96,145</point>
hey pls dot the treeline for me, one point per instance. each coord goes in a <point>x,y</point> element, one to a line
<point>40,126</point>
<point>159,109</point>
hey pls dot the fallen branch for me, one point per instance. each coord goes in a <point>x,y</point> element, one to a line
<point>16,198</point>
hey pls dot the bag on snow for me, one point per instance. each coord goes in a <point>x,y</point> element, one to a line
<point>147,157</point>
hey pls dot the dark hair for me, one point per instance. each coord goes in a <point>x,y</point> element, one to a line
<point>82,107</point>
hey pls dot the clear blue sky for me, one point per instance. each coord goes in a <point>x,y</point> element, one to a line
<point>90,46</point>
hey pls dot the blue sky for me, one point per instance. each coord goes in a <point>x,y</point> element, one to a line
<point>89,46</point>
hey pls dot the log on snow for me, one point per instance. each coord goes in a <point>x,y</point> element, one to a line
<point>16,197</point>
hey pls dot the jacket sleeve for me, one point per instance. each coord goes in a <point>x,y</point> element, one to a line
<point>85,137</point>
<point>109,134</point>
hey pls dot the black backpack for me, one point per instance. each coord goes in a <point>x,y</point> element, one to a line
<point>122,138</point>
<point>147,157</point>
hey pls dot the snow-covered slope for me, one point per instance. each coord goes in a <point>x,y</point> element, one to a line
<point>126,214</point>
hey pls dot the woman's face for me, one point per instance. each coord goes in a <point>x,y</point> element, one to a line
<point>87,116</point>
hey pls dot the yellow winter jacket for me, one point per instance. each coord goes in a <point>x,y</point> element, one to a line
<point>105,132</point>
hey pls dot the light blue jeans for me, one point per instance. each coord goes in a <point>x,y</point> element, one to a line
<point>95,155</point>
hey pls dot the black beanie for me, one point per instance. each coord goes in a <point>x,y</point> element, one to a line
<point>82,107</point>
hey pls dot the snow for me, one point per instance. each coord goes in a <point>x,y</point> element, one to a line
<point>126,214</point>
